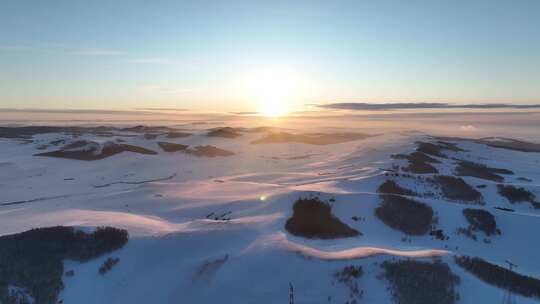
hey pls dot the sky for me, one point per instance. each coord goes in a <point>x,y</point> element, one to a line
<point>241,55</point>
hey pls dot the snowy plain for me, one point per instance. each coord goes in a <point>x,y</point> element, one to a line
<point>179,253</point>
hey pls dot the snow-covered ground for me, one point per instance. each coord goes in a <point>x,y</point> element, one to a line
<point>179,253</point>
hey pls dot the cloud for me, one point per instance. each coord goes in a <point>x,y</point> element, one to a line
<point>10,47</point>
<point>245,113</point>
<point>68,111</point>
<point>158,89</point>
<point>62,48</point>
<point>468,128</point>
<point>170,61</point>
<point>152,60</point>
<point>162,109</point>
<point>98,52</point>
<point>420,105</point>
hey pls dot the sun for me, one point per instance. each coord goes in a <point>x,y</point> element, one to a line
<point>273,90</point>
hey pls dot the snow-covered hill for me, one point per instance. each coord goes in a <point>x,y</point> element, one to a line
<point>207,219</point>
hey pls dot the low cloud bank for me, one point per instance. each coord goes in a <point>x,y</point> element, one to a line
<point>420,105</point>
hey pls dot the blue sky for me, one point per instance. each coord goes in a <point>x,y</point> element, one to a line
<point>202,54</point>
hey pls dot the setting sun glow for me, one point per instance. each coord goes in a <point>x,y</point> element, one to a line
<point>273,91</point>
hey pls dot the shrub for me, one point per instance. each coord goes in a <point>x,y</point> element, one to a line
<point>481,220</point>
<point>413,282</point>
<point>34,259</point>
<point>500,276</point>
<point>466,232</point>
<point>349,276</point>
<point>313,218</point>
<point>404,214</point>
<point>108,265</point>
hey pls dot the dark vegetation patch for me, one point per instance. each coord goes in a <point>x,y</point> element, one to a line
<point>391,187</point>
<point>404,214</point>
<point>349,276</point>
<point>223,216</point>
<point>208,151</point>
<point>88,150</point>
<point>150,136</point>
<point>430,148</point>
<point>455,188</point>
<point>467,168</point>
<point>419,163</point>
<point>466,232</point>
<point>439,234</point>
<point>148,129</point>
<point>107,265</point>
<point>450,146</point>
<point>209,267</point>
<point>57,142</point>
<point>422,157</point>
<point>34,259</point>
<point>29,131</point>
<point>419,167</point>
<point>79,144</point>
<point>226,132</point>
<point>481,220</point>
<point>511,144</point>
<point>311,139</point>
<point>524,179</point>
<point>313,218</point>
<point>501,277</point>
<point>413,282</point>
<point>505,209</point>
<point>517,195</point>
<point>171,147</point>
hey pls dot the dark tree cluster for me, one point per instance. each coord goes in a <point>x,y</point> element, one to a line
<point>468,168</point>
<point>413,282</point>
<point>391,187</point>
<point>481,220</point>
<point>404,214</point>
<point>455,188</point>
<point>313,218</point>
<point>517,194</point>
<point>34,259</point>
<point>108,265</point>
<point>349,276</point>
<point>500,276</point>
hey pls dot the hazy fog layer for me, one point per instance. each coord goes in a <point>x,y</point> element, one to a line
<point>522,124</point>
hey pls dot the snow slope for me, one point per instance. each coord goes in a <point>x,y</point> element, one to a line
<point>207,230</point>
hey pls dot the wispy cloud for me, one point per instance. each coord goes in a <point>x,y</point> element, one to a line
<point>163,109</point>
<point>184,63</point>
<point>152,60</point>
<point>62,48</point>
<point>163,90</point>
<point>401,106</point>
<point>467,128</point>
<point>98,52</point>
<point>11,47</point>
